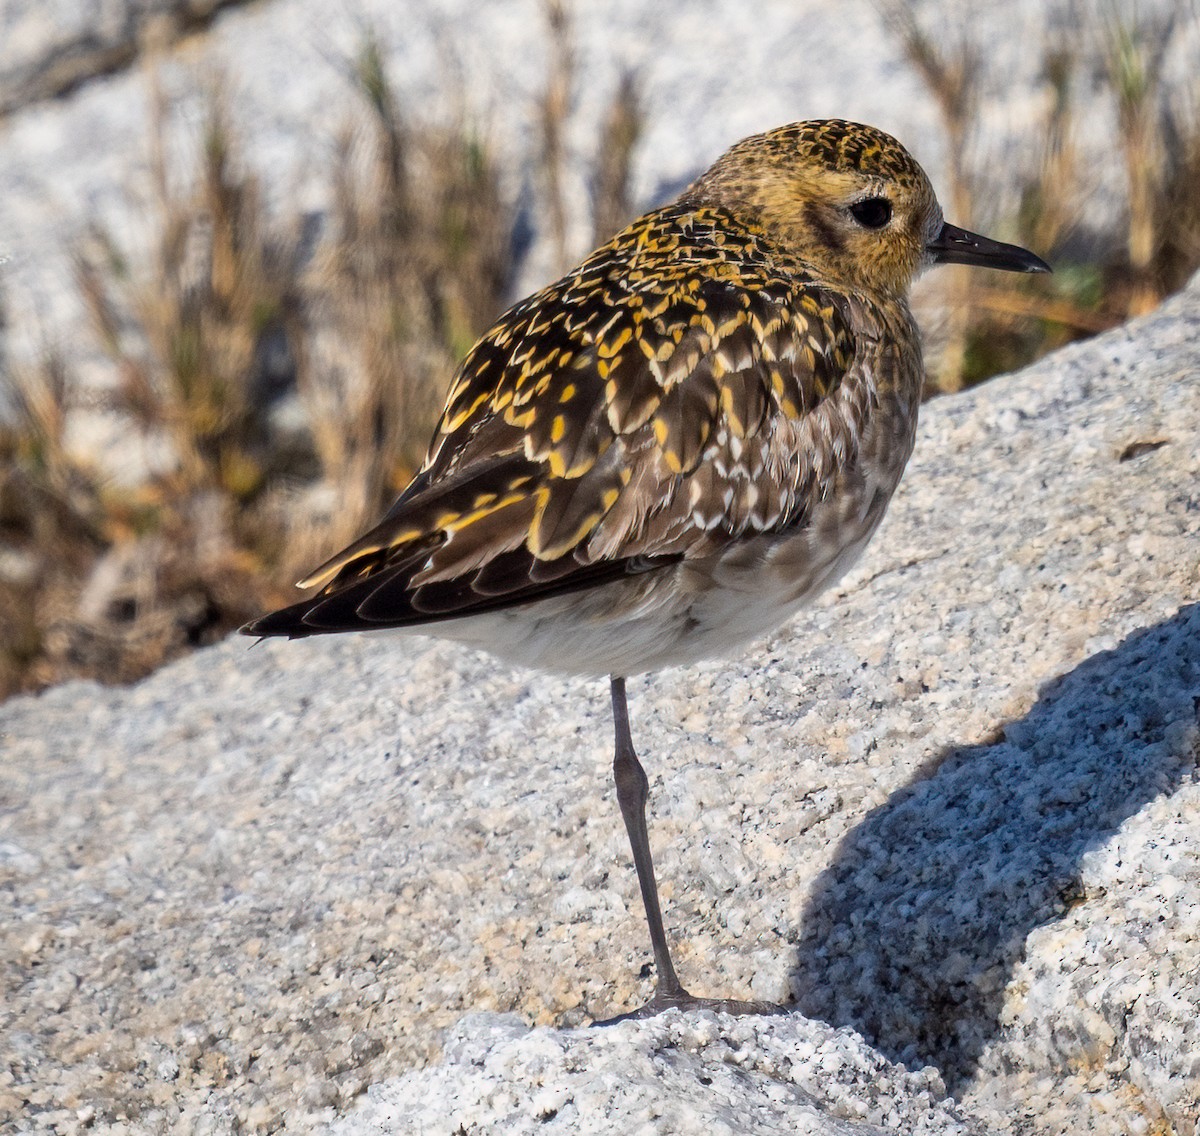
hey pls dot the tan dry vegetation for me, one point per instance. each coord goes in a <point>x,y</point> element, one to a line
<point>991,326</point>
<point>232,317</point>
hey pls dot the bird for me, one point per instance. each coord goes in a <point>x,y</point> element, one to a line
<point>669,451</point>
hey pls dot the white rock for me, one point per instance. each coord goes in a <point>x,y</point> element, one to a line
<point>237,862</point>
<point>675,1074</point>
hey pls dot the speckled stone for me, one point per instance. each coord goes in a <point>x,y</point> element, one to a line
<point>684,1074</point>
<point>953,808</point>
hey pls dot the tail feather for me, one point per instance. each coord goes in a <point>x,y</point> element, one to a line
<point>390,599</point>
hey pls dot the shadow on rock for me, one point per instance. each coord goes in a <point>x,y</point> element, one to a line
<point>913,931</point>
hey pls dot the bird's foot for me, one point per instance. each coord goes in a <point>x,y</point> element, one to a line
<point>680,999</point>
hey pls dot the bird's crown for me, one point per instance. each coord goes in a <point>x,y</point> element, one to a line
<point>840,146</point>
<point>844,198</point>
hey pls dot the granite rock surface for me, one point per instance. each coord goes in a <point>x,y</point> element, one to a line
<point>53,47</point>
<point>953,809</point>
<point>686,1074</point>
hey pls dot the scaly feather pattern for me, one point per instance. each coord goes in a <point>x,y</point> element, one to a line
<point>646,408</point>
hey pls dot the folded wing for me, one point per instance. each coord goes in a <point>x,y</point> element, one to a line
<point>648,408</point>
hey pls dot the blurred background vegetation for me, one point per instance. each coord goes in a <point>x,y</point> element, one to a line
<point>286,383</point>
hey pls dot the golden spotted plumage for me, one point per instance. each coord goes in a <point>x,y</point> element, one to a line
<point>625,415</point>
<point>672,448</point>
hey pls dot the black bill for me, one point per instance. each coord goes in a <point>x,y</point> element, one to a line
<point>957,246</point>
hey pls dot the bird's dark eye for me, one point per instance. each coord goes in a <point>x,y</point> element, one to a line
<point>872,212</point>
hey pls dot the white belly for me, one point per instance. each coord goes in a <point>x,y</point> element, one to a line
<point>680,614</point>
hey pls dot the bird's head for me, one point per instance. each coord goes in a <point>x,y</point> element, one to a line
<point>850,201</point>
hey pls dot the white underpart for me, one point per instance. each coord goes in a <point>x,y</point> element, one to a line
<point>693,611</point>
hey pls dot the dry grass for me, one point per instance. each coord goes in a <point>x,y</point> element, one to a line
<point>948,62</point>
<point>609,184</point>
<point>51,520</point>
<point>1160,146</point>
<point>554,111</point>
<point>231,324</point>
<point>1000,323</point>
<point>612,203</point>
<point>415,263</point>
<point>285,383</point>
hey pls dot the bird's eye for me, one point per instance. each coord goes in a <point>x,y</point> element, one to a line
<point>872,212</point>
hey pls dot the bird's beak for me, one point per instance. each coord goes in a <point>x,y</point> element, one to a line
<point>957,246</point>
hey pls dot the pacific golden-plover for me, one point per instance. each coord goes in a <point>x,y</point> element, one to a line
<point>668,451</point>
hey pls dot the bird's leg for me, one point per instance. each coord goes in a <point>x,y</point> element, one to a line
<point>632,791</point>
